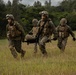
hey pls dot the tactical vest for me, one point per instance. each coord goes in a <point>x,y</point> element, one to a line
<point>63,31</point>
<point>13,31</point>
<point>47,28</point>
<point>35,30</point>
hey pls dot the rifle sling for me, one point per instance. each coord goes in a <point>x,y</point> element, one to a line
<point>40,31</point>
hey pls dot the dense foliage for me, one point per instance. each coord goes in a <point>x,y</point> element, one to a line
<point>25,13</point>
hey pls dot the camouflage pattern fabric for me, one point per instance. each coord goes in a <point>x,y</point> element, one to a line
<point>15,31</point>
<point>15,35</point>
<point>47,31</point>
<point>62,43</point>
<point>32,34</point>
<point>63,32</point>
<point>42,41</point>
<point>15,46</point>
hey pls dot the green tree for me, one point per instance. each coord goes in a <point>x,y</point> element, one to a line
<point>2,16</point>
<point>72,20</point>
<point>68,5</point>
<point>15,10</point>
<point>37,4</point>
<point>47,5</point>
<point>8,7</point>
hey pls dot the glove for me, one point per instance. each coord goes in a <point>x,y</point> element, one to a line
<point>74,39</point>
<point>23,39</point>
<point>48,40</point>
<point>55,39</point>
<point>30,33</point>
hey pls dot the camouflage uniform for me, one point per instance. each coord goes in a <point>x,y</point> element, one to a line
<point>63,31</point>
<point>32,33</point>
<point>15,35</point>
<point>47,31</point>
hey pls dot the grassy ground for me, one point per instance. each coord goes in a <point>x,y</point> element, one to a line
<point>55,64</point>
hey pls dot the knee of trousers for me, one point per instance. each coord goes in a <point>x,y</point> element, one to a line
<point>41,43</point>
<point>41,46</point>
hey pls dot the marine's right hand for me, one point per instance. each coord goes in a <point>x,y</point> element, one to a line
<point>74,39</point>
<point>55,39</point>
<point>30,33</point>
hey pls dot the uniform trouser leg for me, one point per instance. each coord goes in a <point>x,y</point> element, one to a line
<point>59,43</point>
<point>12,48</point>
<point>18,46</point>
<point>13,52</point>
<point>35,48</point>
<point>42,48</point>
<point>30,37</point>
<point>62,43</point>
<point>42,42</point>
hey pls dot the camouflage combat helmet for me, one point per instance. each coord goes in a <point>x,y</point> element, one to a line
<point>44,13</point>
<point>35,21</point>
<point>9,16</point>
<point>63,21</point>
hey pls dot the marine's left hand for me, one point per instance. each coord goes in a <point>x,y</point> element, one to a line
<point>74,39</point>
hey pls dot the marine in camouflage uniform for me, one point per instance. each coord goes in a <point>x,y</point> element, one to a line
<point>32,33</point>
<point>46,32</point>
<point>15,35</point>
<point>63,32</point>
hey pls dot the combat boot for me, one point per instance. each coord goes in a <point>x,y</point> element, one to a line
<point>22,54</point>
<point>45,54</point>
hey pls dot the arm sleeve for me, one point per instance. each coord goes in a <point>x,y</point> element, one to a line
<point>52,26</point>
<point>53,29</point>
<point>31,31</point>
<point>38,25</point>
<point>20,28</point>
<point>70,31</point>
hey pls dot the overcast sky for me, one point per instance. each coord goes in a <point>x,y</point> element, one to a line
<point>30,2</point>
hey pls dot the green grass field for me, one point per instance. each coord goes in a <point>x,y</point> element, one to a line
<point>55,64</point>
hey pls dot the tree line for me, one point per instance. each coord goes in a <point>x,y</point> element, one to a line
<point>25,13</point>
